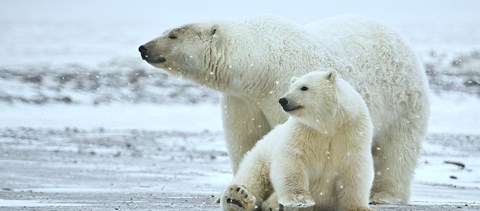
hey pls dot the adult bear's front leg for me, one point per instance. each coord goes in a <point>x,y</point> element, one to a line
<point>244,124</point>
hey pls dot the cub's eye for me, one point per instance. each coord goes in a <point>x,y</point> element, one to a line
<point>304,88</point>
<point>172,36</point>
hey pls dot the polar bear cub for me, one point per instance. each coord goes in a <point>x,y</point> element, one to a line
<point>319,159</point>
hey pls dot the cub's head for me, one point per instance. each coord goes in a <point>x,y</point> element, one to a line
<point>311,97</point>
<point>185,51</point>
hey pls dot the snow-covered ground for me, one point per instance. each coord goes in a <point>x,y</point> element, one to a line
<point>86,124</point>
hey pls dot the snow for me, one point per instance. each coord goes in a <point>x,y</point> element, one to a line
<point>44,41</point>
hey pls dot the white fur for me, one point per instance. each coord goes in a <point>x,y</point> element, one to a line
<point>321,155</point>
<point>252,62</point>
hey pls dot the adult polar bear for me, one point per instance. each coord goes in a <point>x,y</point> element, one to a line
<point>251,63</point>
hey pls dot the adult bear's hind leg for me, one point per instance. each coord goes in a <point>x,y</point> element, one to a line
<point>395,153</point>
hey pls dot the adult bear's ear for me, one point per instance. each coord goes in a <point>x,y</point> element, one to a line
<point>331,76</point>
<point>293,79</point>
<point>214,30</point>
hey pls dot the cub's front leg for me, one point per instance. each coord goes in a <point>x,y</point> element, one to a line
<point>355,182</point>
<point>290,184</point>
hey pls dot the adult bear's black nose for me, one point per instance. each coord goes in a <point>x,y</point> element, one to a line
<point>142,49</point>
<point>283,101</point>
<point>143,52</point>
<point>150,56</point>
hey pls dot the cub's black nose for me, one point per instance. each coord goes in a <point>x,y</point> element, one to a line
<point>142,49</point>
<point>283,101</point>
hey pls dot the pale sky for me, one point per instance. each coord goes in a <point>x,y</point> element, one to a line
<point>182,11</point>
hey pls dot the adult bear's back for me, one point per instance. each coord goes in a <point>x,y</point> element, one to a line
<point>380,65</point>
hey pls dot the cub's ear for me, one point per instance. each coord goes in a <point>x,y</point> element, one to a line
<point>331,75</point>
<point>293,79</point>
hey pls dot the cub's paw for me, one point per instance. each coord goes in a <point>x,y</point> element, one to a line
<point>271,204</point>
<point>237,197</point>
<point>297,202</point>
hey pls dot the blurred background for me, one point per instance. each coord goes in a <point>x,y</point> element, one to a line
<point>55,52</point>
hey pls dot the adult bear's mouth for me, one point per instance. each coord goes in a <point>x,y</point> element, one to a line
<point>290,109</point>
<point>147,56</point>
<point>154,59</point>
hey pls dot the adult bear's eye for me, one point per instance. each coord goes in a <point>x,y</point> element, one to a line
<point>172,36</point>
<point>304,88</point>
<point>214,30</point>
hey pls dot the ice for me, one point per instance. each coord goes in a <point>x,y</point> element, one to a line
<point>455,113</point>
<point>32,203</point>
<point>114,116</point>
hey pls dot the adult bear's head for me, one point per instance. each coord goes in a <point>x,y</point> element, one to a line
<point>194,51</point>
